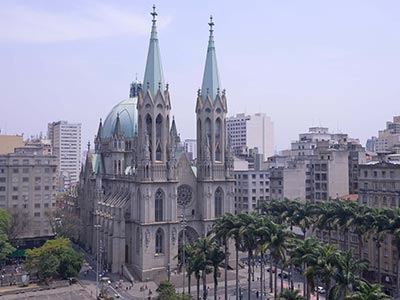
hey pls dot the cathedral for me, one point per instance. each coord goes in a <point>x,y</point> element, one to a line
<point>139,195</point>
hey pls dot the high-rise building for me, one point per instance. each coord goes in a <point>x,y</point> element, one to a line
<point>27,188</point>
<point>389,138</point>
<point>66,142</point>
<point>190,146</point>
<point>139,187</point>
<point>251,131</point>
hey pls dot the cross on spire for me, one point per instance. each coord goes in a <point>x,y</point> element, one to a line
<point>154,14</point>
<point>211,23</point>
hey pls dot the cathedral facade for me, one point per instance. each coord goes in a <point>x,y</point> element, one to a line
<point>139,196</point>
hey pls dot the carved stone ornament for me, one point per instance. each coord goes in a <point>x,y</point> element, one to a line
<point>184,195</point>
<point>147,238</point>
<point>173,235</point>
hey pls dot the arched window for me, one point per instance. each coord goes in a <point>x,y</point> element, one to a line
<point>159,241</point>
<point>208,128</point>
<point>218,126</point>
<point>219,196</point>
<point>149,128</point>
<point>158,206</point>
<point>159,122</point>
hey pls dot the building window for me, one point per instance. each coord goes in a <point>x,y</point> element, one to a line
<point>159,241</point>
<point>218,202</point>
<point>159,199</point>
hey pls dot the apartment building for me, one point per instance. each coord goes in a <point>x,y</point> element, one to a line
<point>251,131</point>
<point>27,188</point>
<point>320,166</point>
<point>379,187</point>
<point>251,188</point>
<point>66,143</point>
<point>389,138</point>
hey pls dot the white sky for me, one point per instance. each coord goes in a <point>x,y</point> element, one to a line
<point>304,63</point>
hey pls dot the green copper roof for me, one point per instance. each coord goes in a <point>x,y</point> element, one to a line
<point>211,82</point>
<point>153,75</point>
<point>127,119</point>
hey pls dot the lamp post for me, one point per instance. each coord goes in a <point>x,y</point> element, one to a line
<point>97,228</point>
<point>183,225</point>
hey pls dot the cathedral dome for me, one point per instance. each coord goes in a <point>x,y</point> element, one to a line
<point>127,112</point>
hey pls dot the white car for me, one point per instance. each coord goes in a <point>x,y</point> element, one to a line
<point>320,290</point>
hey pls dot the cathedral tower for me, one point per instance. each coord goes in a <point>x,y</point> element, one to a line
<point>214,165</point>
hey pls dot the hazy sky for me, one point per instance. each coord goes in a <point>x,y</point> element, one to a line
<point>304,63</point>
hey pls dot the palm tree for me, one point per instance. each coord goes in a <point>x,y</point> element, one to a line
<point>234,223</point>
<point>361,222</point>
<point>302,255</point>
<point>216,257</point>
<point>263,233</point>
<point>381,227</point>
<point>395,230</point>
<point>366,291</point>
<point>324,267</point>
<point>304,216</point>
<point>221,230</point>
<point>203,247</point>
<point>325,220</point>
<point>247,233</point>
<point>278,244</point>
<point>347,274</point>
<point>190,262</point>
<point>288,294</point>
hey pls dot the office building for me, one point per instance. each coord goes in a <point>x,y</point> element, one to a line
<point>66,142</point>
<point>27,188</point>
<point>251,131</point>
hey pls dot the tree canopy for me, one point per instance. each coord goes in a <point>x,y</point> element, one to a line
<point>54,258</point>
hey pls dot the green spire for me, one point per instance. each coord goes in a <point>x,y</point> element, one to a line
<point>153,75</point>
<point>211,83</point>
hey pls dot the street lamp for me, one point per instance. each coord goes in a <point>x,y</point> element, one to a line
<point>97,228</point>
<point>183,225</point>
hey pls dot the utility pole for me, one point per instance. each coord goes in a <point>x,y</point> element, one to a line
<point>97,228</point>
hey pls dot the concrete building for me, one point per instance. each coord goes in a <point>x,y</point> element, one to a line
<point>66,145</point>
<point>27,188</point>
<point>319,167</point>
<point>251,187</point>
<point>190,146</point>
<point>389,138</point>
<point>379,187</point>
<point>251,131</point>
<point>140,188</point>
<point>8,143</point>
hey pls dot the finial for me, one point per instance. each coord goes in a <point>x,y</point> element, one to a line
<point>167,86</point>
<point>198,92</point>
<point>208,90</point>
<point>217,91</point>
<point>154,14</point>
<point>173,118</point>
<point>135,76</point>
<point>118,115</point>
<point>101,120</point>
<point>88,145</point>
<point>148,84</point>
<point>224,92</point>
<point>159,85</point>
<point>211,23</point>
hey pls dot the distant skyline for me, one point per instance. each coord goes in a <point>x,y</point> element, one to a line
<point>303,63</point>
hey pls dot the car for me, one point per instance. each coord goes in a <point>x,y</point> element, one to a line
<point>284,274</point>
<point>320,290</point>
<point>273,269</point>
